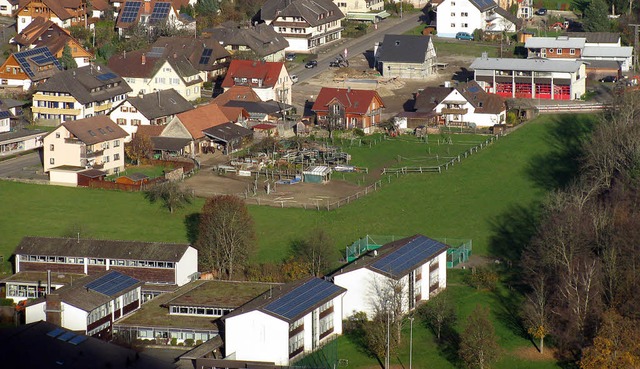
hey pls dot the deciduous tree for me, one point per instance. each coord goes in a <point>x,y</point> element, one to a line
<point>314,252</point>
<point>139,148</point>
<point>226,237</point>
<point>439,313</point>
<point>617,345</point>
<point>172,195</point>
<point>478,344</point>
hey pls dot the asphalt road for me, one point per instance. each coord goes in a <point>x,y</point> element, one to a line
<point>358,46</point>
<point>24,166</point>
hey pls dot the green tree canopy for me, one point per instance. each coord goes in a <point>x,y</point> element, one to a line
<point>596,17</point>
<point>67,60</point>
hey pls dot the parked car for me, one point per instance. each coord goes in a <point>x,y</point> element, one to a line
<point>290,57</point>
<point>464,36</point>
<point>311,64</point>
<point>541,11</point>
<point>294,78</point>
<point>609,79</point>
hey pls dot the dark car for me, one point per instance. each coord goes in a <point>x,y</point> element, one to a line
<point>290,57</point>
<point>311,64</point>
<point>541,11</point>
<point>609,79</point>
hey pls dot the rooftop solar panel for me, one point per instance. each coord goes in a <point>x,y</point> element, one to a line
<point>78,339</point>
<point>5,114</point>
<point>308,295</point>
<point>156,52</point>
<point>111,284</point>
<point>67,336</point>
<point>160,12</point>
<point>39,55</point>
<point>206,56</point>
<point>474,89</point>
<point>130,11</point>
<point>106,76</point>
<point>56,332</point>
<point>409,256</point>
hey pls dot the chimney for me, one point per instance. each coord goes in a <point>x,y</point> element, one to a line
<point>158,94</point>
<point>48,281</point>
<point>175,55</point>
<point>144,59</point>
<point>53,309</point>
<point>125,54</point>
<point>349,89</point>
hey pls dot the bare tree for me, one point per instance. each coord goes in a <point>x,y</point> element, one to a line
<point>226,237</point>
<point>439,313</point>
<point>172,195</point>
<point>388,298</point>
<point>536,309</point>
<point>315,251</point>
<point>478,344</point>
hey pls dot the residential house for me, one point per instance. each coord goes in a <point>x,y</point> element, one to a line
<point>525,9</point>
<point>455,16</point>
<point>54,344</point>
<point>42,32</point>
<point>260,40</point>
<point>64,13</point>
<point>157,264</point>
<point>98,9</point>
<point>207,55</point>
<point>151,14</point>
<point>147,71</point>
<point>228,137</point>
<point>269,80</point>
<point>89,305</point>
<point>406,56</point>
<point>156,108</point>
<point>95,142</point>
<point>466,105</point>
<point>365,11</point>
<point>602,54</point>
<point>415,265</point>
<point>292,320</point>
<point>78,93</point>
<point>15,141</point>
<point>189,313</point>
<point>192,124</point>
<point>349,108</point>
<point>305,24</point>
<point>8,7</point>
<point>172,144</point>
<point>27,68</point>
<point>531,78</point>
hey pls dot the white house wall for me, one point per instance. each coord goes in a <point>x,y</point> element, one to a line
<point>165,78</point>
<point>187,266</point>
<point>62,153</point>
<point>451,20</point>
<point>63,178</point>
<point>128,117</point>
<point>256,336</point>
<point>73,318</point>
<point>358,285</point>
<point>35,313</point>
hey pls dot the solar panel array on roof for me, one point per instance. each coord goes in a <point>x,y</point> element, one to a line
<point>111,284</point>
<point>305,296</point>
<point>206,56</point>
<point>160,12</point>
<point>5,114</point>
<point>78,340</point>
<point>66,336</point>
<point>409,256</point>
<point>474,89</point>
<point>39,55</point>
<point>106,76</point>
<point>156,52</point>
<point>56,332</point>
<point>130,11</point>
<point>485,4</point>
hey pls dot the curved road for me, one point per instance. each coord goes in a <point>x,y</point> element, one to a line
<point>358,46</point>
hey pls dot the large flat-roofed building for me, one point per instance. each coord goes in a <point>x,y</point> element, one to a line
<point>531,78</point>
<point>151,262</point>
<point>90,305</point>
<point>188,315</point>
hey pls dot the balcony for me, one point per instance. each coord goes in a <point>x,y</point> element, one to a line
<point>433,267</point>
<point>459,111</point>
<point>91,154</point>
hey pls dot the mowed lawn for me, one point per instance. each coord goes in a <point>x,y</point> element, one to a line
<point>463,202</point>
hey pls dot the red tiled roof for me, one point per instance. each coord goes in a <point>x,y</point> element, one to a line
<point>264,126</point>
<point>268,72</point>
<point>237,93</point>
<point>354,101</point>
<point>149,130</point>
<point>201,118</point>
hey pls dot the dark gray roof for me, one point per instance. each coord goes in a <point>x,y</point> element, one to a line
<point>11,103</point>
<point>204,54</point>
<point>292,301</point>
<point>160,103</point>
<point>130,250</point>
<point>262,107</point>
<point>93,130</point>
<point>169,143</point>
<point>597,37</point>
<point>307,9</point>
<point>227,132</point>
<point>86,84</point>
<point>261,38</point>
<point>396,259</point>
<point>96,290</point>
<point>21,342</point>
<point>484,5</point>
<point>404,49</point>
<point>602,64</point>
<point>430,97</point>
<point>19,135</point>
<point>137,176</point>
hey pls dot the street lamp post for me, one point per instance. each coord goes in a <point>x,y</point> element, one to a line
<point>388,329</point>
<point>410,342</point>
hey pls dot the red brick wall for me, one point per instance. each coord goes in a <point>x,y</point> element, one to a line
<point>58,268</point>
<point>93,269</point>
<point>147,274</point>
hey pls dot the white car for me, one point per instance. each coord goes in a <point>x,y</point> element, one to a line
<point>294,78</point>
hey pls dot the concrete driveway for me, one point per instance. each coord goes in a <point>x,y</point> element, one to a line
<point>27,166</point>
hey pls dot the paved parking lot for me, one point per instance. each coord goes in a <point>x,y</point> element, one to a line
<point>28,166</point>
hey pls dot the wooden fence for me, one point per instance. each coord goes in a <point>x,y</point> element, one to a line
<point>187,166</point>
<point>108,185</point>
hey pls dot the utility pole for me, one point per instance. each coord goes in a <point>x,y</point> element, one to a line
<point>636,28</point>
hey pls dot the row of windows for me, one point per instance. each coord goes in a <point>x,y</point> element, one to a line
<point>296,324</point>
<point>462,14</point>
<point>96,261</point>
<point>463,25</point>
<point>188,310</point>
<point>559,51</point>
<point>99,328</point>
<point>99,313</point>
<point>128,109</point>
<point>296,342</point>
<point>130,297</point>
<point>326,323</point>
<point>326,306</point>
<point>123,122</point>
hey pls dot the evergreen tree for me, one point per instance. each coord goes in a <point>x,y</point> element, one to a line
<point>596,17</point>
<point>67,60</point>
